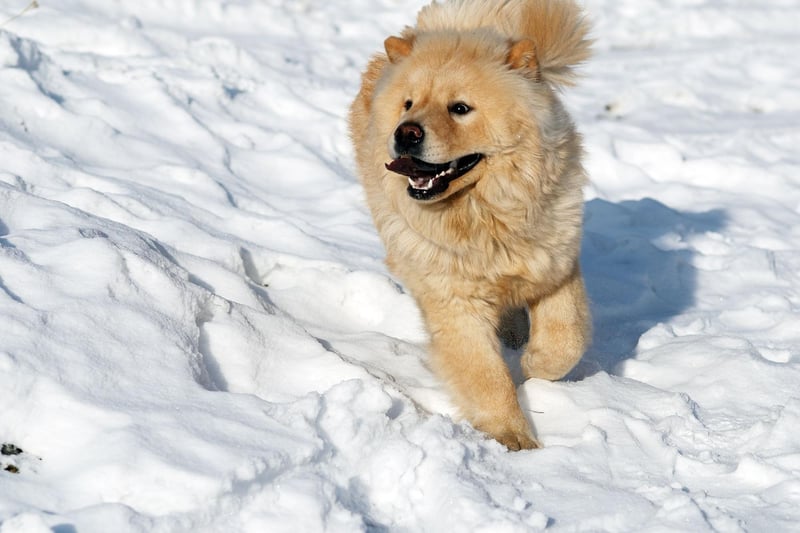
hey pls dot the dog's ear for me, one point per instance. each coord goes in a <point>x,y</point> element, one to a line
<point>397,48</point>
<point>522,54</point>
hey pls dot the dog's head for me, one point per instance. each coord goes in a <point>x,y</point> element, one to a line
<point>455,102</point>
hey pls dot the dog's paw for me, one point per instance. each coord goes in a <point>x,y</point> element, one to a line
<point>516,441</point>
<point>512,431</point>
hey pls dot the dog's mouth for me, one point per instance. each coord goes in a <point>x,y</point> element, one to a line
<point>427,180</point>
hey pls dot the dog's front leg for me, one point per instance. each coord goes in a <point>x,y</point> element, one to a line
<point>465,353</point>
<point>560,330</point>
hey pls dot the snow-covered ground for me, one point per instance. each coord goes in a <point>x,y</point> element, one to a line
<point>197,332</point>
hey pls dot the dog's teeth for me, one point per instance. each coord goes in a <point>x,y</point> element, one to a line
<point>448,171</point>
<point>422,184</point>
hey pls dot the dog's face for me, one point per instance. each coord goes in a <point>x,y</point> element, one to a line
<point>452,106</point>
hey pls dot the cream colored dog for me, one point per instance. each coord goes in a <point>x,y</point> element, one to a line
<point>472,171</point>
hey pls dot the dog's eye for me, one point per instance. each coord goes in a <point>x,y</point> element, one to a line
<point>408,105</point>
<point>459,108</point>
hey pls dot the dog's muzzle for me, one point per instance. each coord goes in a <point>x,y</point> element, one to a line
<point>428,180</point>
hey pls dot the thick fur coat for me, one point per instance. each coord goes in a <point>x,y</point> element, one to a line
<point>472,172</point>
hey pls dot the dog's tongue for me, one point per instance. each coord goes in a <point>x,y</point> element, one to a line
<point>408,166</point>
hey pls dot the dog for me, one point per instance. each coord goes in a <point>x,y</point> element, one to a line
<point>472,172</point>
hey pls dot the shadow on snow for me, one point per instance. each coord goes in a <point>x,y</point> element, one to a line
<point>638,273</point>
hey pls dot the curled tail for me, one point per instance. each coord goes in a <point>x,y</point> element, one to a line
<point>557,28</point>
<point>559,31</point>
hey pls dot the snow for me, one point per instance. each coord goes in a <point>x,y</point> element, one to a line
<point>197,332</point>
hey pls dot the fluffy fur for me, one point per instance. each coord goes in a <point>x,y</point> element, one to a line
<point>507,232</point>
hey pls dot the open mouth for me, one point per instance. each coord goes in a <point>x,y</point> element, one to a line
<point>427,180</point>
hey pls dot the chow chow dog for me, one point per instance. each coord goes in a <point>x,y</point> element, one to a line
<point>472,172</point>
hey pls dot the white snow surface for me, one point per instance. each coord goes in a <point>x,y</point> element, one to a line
<point>197,331</point>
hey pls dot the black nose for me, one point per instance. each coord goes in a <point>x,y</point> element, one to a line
<point>407,135</point>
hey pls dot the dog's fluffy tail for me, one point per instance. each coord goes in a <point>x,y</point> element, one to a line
<point>557,28</point>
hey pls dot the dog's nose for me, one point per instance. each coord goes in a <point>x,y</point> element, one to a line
<point>407,135</point>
